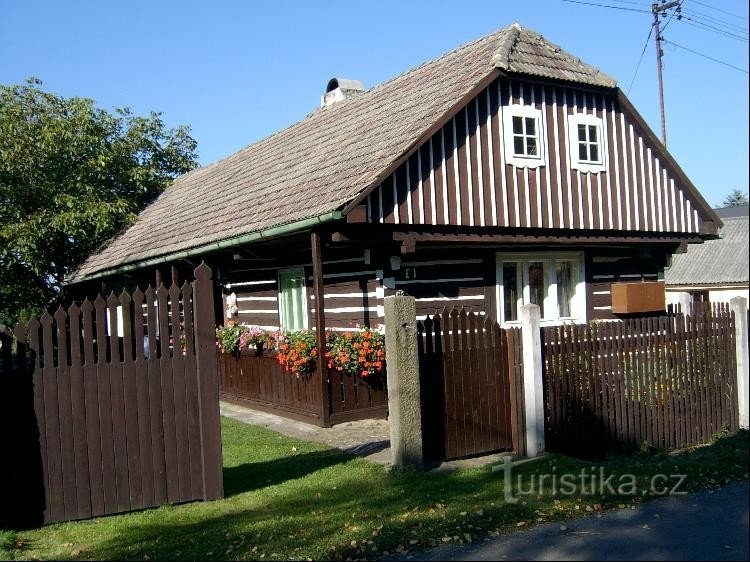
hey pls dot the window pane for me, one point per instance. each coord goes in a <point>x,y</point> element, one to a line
<point>531,146</point>
<point>592,133</point>
<point>564,288</point>
<point>531,126</point>
<point>582,133</point>
<point>536,284</point>
<point>510,291</point>
<point>291,284</point>
<point>594,148</point>
<point>518,125</point>
<point>582,155</point>
<point>518,145</point>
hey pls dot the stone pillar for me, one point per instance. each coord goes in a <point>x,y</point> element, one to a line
<point>404,407</point>
<point>533,396</point>
<point>686,303</point>
<point>739,308</point>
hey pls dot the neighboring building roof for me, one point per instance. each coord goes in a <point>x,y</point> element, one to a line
<point>325,161</point>
<point>736,211</point>
<point>715,262</point>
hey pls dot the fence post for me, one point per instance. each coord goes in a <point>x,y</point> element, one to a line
<point>208,383</point>
<point>532,379</point>
<point>404,406</point>
<point>739,308</point>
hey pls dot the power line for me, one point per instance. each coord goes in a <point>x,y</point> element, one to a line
<point>607,6</point>
<point>717,21</point>
<point>705,56</point>
<point>720,10</point>
<point>640,60</point>
<point>706,27</point>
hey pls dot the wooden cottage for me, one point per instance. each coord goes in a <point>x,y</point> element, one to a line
<point>504,172</point>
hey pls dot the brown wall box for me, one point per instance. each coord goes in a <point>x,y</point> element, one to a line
<point>629,298</point>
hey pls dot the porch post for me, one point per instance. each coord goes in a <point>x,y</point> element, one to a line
<point>739,308</point>
<point>532,379</point>
<point>320,327</point>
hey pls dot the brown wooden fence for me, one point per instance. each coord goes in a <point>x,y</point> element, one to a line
<point>471,384</point>
<point>106,409</point>
<point>260,382</point>
<point>665,382</point>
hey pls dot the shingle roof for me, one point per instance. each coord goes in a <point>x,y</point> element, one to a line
<point>721,261</point>
<point>326,160</point>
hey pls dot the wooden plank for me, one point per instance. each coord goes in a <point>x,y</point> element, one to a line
<point>205,336</point>
<point>143,405</point>
<point>91,405</point>
<point>130,397</point>
<point>65,417</point>
<point>78,414</point>
<point>54,496</point>
<point>119,437</point>
<point>167,397</point>
<point>472,381</point>
<point>158,450</point>
<point>179,397</point>
<point>450,345</point>
<point>191,395</point>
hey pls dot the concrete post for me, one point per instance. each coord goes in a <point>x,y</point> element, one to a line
<point>532,379</point>
<point>404,406</point>
<point>738,306</point>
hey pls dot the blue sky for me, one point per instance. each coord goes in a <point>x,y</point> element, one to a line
<point>238,71</point>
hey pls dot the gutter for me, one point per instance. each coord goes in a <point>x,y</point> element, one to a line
<point>266,234</point>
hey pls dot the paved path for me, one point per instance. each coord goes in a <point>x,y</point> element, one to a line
<point>699,526</point>
<point>369,439</point>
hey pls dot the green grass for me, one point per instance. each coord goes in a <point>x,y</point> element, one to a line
<point>290,499</point>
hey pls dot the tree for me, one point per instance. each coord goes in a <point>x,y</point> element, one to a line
<point>72,175</point>
<point>735,198</point>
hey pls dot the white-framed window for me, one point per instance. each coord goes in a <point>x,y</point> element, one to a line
<point>553,281</point>
<point>292,299</point>
<point>524,136</point>
<point>586,143</point>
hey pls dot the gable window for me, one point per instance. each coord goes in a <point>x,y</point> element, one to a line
<point>524,136</point>
<point>586,143</point>
<point>292,299</point>
<point>554,282</point>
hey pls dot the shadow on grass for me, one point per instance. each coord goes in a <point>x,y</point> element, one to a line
<point>303,505</point>
<point>252,476</point>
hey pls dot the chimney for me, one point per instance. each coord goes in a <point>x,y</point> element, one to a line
<point>340,89</point>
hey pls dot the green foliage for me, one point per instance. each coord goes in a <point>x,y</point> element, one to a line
<point>228,338</point>
<point>735,198</point>
<point>72,175</point>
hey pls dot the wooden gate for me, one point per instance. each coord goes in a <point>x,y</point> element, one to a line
<point>111,406</point>
<point>470,376</point>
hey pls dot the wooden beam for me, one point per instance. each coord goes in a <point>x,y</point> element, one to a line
<point>320,327</point>
<point>570,240</point>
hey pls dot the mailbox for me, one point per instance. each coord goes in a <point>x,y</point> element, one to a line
<point>634,298</point>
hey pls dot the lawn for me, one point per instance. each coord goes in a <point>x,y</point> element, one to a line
<point>290,499</point>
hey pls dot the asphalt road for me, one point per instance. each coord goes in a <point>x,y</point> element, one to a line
<point>700,526</point>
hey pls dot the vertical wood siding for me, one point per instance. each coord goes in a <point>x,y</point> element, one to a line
<point>460,175</point>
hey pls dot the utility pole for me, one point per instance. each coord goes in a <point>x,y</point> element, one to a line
<point>657,9</point>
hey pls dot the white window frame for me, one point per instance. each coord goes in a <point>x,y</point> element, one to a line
<point>305,301</point>
<point>578,302</point>
<point>520,160</point>
<point>586,166</point>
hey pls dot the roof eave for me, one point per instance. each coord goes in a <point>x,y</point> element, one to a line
<point>266,234</point>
